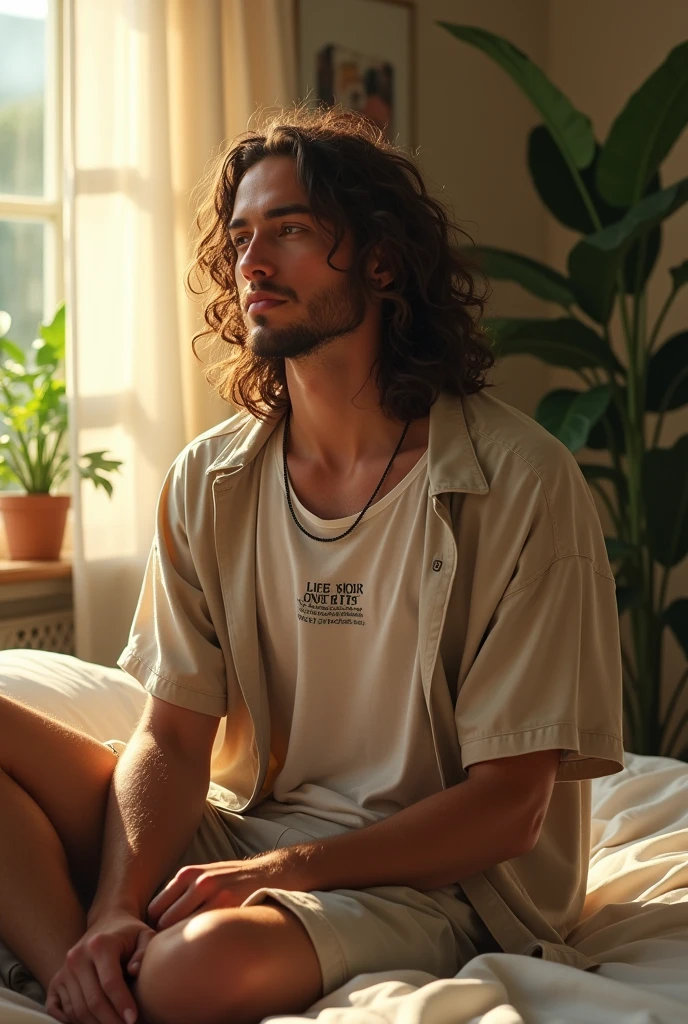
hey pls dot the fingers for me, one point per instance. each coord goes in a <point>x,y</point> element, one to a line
<point>141,946</point>
<point>194,888</point>
<point>91,987</point>
<point>72,998</point>
<point>194,898</point>
<point>53,1005</point>
<point>107,994</point>
<point>70,991</point>
<point>174,889</point>
<point>65,1002</point>
<point>84,999</point>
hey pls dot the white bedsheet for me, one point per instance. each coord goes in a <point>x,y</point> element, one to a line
<point>635,919</point>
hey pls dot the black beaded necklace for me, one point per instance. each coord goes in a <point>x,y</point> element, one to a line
<point>326,540</point>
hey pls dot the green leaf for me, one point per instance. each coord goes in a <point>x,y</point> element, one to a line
<point>13,351</point>
<point>618,550</point>
<point>593,472</point>
<point>676,617</point>
<point>594,262</point>
<point>645,131</point>
<point>570,128</point>
<point>97,467</point>
<point>665,489</point>
<point>612,419</point>
<point>557,188</point>
<point>652,243</point>
<point>667,375</point>
<point>97,461</point>
<point>570,415</point>
<point>628,597</point>
<point>54,333</point>
<point>46,355</point>
<point>561,342</point>
<point>535,277</point>
<point>14,378</point>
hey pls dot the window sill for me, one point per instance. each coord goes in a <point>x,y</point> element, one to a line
<point>14,571</point>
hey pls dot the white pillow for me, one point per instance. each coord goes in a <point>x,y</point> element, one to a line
<point>105,703</point>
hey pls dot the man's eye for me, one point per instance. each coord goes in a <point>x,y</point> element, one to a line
<point>287,227</point>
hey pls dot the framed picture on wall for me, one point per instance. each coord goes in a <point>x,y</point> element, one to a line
<point>359,53</point>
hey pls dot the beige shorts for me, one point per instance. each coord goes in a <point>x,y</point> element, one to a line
<point>353,931</point>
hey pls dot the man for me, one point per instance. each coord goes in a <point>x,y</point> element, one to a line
<point>388,589</point>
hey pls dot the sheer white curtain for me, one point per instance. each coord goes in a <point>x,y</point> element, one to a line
<point>153,89</point>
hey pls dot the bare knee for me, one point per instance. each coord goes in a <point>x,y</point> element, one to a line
<point>34,741</point>
<point>185,978</point>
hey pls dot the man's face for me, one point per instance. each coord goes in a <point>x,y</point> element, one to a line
<point>282,253</point>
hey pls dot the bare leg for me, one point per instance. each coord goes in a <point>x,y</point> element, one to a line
<point>40,914</point>
<point>54,782</point>
<point>235,964</point>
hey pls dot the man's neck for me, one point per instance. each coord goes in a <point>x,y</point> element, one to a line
<point>338,429</point>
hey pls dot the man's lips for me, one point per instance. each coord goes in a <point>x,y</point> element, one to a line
<point>264,304</point>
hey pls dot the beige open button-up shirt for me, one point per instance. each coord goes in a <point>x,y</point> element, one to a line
<point>518,633</point>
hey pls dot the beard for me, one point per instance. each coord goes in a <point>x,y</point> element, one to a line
<point>330,313</point>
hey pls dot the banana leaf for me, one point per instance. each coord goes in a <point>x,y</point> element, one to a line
<point>667,375</point>
<point>535,277</point>
<point>645,131</point>
<point>570,128</point>
<point>570,415</point>
<point>676,617</point>
<point>665,489</point>
<point>559,342</point>
<point>594,262</point>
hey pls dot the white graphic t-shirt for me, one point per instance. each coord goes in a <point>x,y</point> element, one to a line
<point>338,631</point>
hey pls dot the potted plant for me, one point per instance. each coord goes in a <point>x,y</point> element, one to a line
<point>33,457</point>
<point>611,194</point>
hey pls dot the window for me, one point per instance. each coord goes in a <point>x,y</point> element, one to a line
<point>31,257</point>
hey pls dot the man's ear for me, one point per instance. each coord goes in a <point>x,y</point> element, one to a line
<point>378,273</point>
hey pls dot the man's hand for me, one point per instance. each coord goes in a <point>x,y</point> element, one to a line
<point>91,986</point>
<point>227,883</point>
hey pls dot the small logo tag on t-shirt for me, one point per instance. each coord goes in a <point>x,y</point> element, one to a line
<point>436,565</point>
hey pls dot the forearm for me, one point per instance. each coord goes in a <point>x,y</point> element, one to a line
<point>440,840</point>
<point>155,805</point>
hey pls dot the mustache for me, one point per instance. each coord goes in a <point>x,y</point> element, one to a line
<point>268,290</point>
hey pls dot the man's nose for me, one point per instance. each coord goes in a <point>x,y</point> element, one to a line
<point>255,261</point>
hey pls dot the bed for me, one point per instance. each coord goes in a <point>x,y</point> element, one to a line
<point>635,917</point>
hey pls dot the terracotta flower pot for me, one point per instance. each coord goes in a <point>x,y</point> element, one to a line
<point>35,525</point>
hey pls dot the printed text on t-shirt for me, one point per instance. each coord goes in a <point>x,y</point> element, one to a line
<point>331,604</point>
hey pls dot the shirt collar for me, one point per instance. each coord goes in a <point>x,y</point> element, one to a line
<point>452,462</point>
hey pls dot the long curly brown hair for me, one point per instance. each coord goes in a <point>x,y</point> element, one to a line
<point>431,339</point>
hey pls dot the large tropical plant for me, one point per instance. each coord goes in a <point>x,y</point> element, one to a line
<point>612,195</point>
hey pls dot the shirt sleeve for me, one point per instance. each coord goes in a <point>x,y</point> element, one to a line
<point>173,649</point>
<point>548,670</point>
